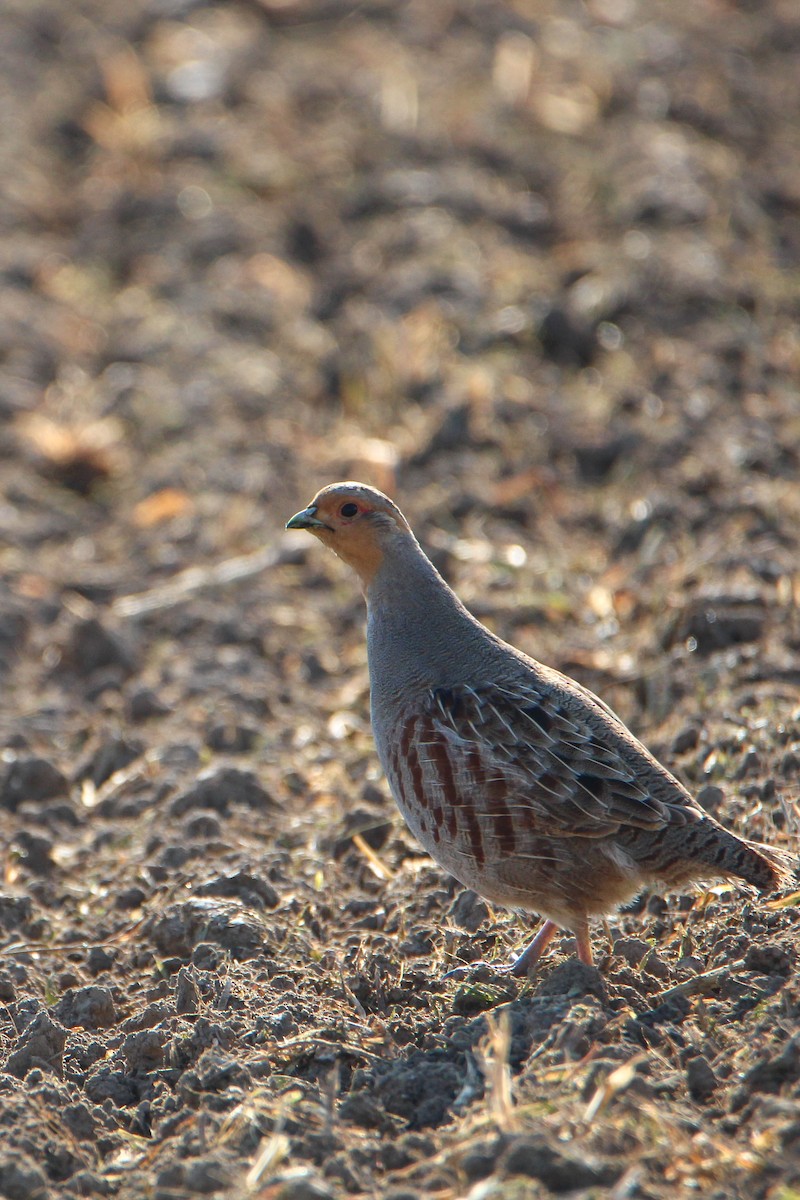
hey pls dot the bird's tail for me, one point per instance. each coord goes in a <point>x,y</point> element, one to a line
<point>766,868</point>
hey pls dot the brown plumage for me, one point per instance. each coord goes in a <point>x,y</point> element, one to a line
<point>520,782</point>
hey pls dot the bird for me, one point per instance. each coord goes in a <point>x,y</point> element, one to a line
<point>517,780</point>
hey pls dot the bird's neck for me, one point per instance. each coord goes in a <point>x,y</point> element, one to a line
<point>418,632</point>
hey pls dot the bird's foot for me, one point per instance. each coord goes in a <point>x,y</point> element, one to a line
<point>479,971</point>
<point>526,963</point>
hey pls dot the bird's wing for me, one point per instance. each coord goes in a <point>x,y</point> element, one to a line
<point>544,752</point>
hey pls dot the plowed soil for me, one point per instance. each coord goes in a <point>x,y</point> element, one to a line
<point>534,269</point>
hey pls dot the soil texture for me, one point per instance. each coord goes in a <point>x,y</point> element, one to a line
<point>534,269</point>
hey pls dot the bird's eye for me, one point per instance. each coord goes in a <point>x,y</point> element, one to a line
<point>348,510</point>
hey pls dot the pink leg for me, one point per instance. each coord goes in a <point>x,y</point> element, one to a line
<point>584,944</point>
<point>532,953</point>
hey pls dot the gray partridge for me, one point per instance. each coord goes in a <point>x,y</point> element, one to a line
<point>518,781</point>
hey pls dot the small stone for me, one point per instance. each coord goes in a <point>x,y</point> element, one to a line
<point>215,1071</point>
<point>479,1162</point>
<point>15,911</point>
<point>715,622</point>
<point>144,703</point>
<point>89,1183</point>
<point>573,978</point>
<point>99,960</point>
<point>632,949</point>
<point>359,1108</point>
<point>656,966</point>
<point>770,1074</point>
<point>750,763</point>
<point>187,993</point>
<point>206,1175</point>
<point>203,827</point>
<point>226,923</point>
<point>80,1122</point>
<point>221,787</point>
<point>570,341</point>
<point>20,1178</point>
<point>206,957</point>
<point>144,1050</point>
<point>371,826</point>
<point>31,779</point>
<point>710,797</point>
<point>62,813</point>
<point>596,460</point>
<point>250,889</point>
<point>170,1178</point>
<point>156,1013</point>
<point>768,959</point>
<point>130,897</point>
<point>92,648</point>
<point>468,911</point>
<point>281,1023</point>
<point>686,739</point>
<point>700,1078</point>
<point>790,765</point>
<point>41,1045</point>
<point>90,1007</point>
<point>539,1158</point>
<point>114,1087</point>
<point>297,783</point>
<point>36,851</point>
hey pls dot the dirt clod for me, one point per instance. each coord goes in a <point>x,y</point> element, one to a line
<point>536,1157</point>
<point>92,648</point>
<point>89,1007</point>
<point>31,779</point>
<point>21,1178</point>
<point>227,923</point>
<point>40,1045</point>
<point>700,1078</point>
<point>221,787</point>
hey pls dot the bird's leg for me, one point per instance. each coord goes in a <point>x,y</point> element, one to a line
<point>526,962</point>
<point>532,953</point>
<point>523,965</point>
<point>584,943</point>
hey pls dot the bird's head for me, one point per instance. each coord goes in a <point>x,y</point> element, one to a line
<point>357,522</point>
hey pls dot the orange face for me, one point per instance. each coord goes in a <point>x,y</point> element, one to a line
<point>354,521</point>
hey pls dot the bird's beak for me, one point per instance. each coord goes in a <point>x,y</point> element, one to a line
<point>307,519</point>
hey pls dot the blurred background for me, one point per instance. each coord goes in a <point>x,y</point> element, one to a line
<point>483,243</point>
<point>531,267</point>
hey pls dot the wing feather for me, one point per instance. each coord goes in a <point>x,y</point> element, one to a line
<point>548,758</point>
